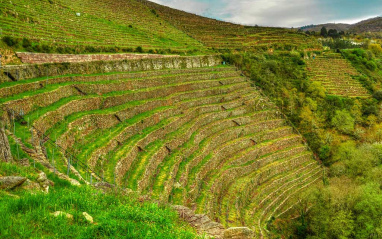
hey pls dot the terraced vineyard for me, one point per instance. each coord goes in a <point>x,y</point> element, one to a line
<point>129,24</point>
<point>336,75</point>
<point>109,23</point>
<point>183,130</point>
<point>223,35</point>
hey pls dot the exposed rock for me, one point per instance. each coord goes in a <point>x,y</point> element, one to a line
<point>30,185</point>
<point>5,150</point>
<point>238,233</point>
<point>44,182</point>
<point>88,217</point>
<point>73,182</point>
<point>24,162</point>
<point>177,185</point>
<point>106,187</point>
<point>201,222</point>
<point>127,191</point>
<point>10,182</point>
<point>64,214</point>
<point>41,177</point>
<point>38,155</point>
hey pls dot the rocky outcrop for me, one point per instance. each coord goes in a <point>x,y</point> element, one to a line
<point>5,150</point>
<point>62,214</point>
<point>11,182</point>
<point>238,233</point>
<point>88,217</point>
<point>39,157</point>
<point>201,222</point>
<point>23,72</point>
<point>44,182</point>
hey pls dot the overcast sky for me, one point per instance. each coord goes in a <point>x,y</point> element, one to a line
<point>283,13</point>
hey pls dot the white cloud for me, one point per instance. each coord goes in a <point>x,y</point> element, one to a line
<point>285,13</point>
<point>185,5</point>
<point>281,13</point>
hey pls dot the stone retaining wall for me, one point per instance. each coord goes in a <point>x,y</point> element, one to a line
<point>22,72</point>
<point>41,58</point>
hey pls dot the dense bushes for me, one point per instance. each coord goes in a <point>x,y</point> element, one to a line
<point>343,132</point>
<point>32,46</point>
<point>10,41</point>
<point>324,120</point>
<point>350,206</point>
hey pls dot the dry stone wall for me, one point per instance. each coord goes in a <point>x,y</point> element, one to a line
<point>5,150</point>
<point>40,58</point>
<point>201,137</point>
<point>22,72</point>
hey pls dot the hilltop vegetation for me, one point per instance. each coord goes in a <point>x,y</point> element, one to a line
<point>130,26</point>
<point>90,26</point>
<point>373,25</point>
<point>224,36</point>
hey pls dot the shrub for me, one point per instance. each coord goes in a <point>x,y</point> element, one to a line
<point>139,49</point>
<point>90,49</point>
<point>343,121</point>
<point>376,49</point>
<point>11,41</point>
<point>298,61</point>
<point>324,152</point>
<point>378,95</point>
<point>46,48</point>
<point>26,43</point>
<point>371,65</point>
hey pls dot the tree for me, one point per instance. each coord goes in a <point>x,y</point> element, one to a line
<point>342,224</point>
<point>333,33</point>
<point>376,49</point>
<point>324,32</point>
<point>356,111</point>
<point>343,121</point>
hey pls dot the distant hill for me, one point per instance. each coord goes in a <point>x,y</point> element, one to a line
<point>369,25</point>
<point>225,35</point>
<point>337,26</point>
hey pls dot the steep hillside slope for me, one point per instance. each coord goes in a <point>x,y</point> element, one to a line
<point>223,35</point>
<point>183,130</point>
<point>369,25</point>
<point>125,24</point>
<point>317,28</point>
<point>336,76</point>
<point>37,204</point>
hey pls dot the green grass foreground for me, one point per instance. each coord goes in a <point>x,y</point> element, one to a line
<point>116,215</point>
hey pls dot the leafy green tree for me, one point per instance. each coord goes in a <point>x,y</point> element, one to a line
<point>343,121</point>
<point>342,224</point>
<point>324,32</point>
<point>333,33</point>
<point>369,211</point>
<point>376,49</point>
